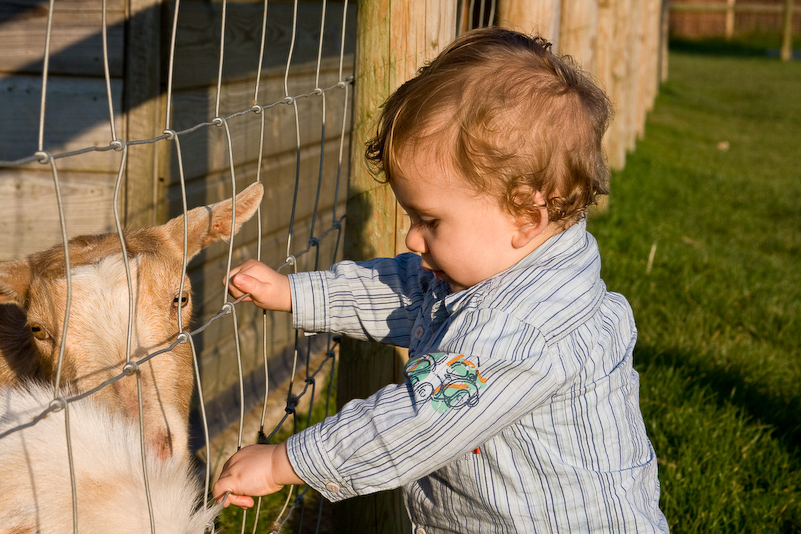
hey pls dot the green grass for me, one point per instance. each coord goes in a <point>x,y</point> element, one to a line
<point>719,312</point>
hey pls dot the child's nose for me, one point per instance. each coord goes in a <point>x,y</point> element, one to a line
<point>415,241</point>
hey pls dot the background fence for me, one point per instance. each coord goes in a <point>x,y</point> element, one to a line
<point>725,18</point>
<point>258,91</point>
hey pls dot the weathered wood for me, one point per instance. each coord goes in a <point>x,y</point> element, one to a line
<point>278,175</point>
<point>197,106</point>
<point>143,114</point>
<point>77,117</point>
<point>541,18</point>
<point>664,40</point>
<point>197,43</point>
<point>578,32</point>
<point>786,52</point>
<point>76,43</point>
<point>729,18</point>
<point>615,28</point>
<point>30,221</point>
<point>394,38</point>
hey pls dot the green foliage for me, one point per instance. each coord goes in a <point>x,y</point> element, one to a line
<point>713,190</point>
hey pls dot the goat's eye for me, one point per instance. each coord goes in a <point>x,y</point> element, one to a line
<point>38,331</point>
<point>183,300</point>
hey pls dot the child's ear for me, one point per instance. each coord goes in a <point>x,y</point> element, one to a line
<point>529,230</point>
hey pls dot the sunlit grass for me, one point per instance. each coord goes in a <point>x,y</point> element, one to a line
<point>714,190</point>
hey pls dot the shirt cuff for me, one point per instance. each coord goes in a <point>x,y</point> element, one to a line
<point>311,463</point>
<point>309,293</point>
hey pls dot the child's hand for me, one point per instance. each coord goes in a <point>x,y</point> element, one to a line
<point>254,470</point>
<point>268,289</point>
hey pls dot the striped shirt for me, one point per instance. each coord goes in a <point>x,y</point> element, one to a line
<point>520,411</point>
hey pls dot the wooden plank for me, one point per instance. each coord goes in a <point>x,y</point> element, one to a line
<point>278,175</point>
<point>29,219</point>
<point>617,29</point>
<point>631,100</point>
<point>664,35</point>
<point>392,41</point>
<point>578,32</point>
<point>539,18</point>
<point>76,40</point>
<point>786,53</point>
<point>196,107</point>
<point>77,117</point>
<point>197,42</point>
<point>143,113</point>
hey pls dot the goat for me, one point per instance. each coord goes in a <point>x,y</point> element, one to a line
<point>36,484</point>
<point>33,295</point>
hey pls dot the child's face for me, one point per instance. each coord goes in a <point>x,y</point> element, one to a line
<point>463,237</point>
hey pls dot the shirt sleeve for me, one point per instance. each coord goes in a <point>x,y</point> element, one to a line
<point>375,301</point>
<point>450,403</point>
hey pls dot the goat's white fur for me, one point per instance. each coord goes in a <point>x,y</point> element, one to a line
<point>35,481</point>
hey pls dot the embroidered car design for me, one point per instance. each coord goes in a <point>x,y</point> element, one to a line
<point>448,383</point>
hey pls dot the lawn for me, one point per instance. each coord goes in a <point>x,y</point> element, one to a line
<point>703,236</point>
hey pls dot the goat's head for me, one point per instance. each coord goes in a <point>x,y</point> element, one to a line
<point>96,347</point>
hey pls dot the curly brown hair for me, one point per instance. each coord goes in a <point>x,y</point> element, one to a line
<point>510,116</point>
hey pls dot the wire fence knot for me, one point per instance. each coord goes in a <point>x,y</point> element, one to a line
<point>58,404</point>
<point>43,157</point>
<point>130,368</point>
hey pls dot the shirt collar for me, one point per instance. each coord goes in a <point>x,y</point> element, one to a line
<point>565,242</point>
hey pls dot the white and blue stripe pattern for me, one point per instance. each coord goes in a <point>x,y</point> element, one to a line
<point>561,441</point>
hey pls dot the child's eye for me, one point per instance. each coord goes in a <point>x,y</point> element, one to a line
<point>427,223</point>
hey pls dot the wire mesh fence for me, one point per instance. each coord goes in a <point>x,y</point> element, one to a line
<point>276,108</point>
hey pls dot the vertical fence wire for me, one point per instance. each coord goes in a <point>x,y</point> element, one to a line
<point>316,237</point>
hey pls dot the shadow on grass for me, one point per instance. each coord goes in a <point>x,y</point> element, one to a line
<point>745,47</point>
<point>780,413</point>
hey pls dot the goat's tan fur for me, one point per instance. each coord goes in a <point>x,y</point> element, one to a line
<point>33,294</point>
<point>36,486</point>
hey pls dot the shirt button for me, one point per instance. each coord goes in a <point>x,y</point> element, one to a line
<point>418,333</point>
<point>333,487</point>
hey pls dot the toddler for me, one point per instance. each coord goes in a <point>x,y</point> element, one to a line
<point>520,411</point>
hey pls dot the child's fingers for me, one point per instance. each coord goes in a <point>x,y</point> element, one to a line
<point>242,501</point>
<point>223,493</point>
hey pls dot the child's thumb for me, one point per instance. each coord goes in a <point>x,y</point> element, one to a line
<point>244,282</point>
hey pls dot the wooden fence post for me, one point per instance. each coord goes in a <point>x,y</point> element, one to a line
<point>578,32</point>
<point>729,19</point>
<point>394,39</point>
<point>541,17</point>
<point>787,31</point>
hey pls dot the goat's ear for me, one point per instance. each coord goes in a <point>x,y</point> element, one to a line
<point>15,280</point>
<point>208,224</point>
